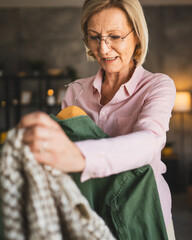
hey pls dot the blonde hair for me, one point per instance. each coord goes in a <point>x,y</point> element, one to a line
<point>135,16</point>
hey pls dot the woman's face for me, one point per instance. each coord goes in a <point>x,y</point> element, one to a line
<point>114,58</point>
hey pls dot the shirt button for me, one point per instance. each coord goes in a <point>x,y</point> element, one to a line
<point>103,113</point>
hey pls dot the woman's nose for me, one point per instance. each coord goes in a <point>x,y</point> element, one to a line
<point>103,47</point>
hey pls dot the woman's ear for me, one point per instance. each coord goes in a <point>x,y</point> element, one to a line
<point>137,40</point>
<point>90,55</point>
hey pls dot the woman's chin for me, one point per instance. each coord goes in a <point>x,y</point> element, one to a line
<point>110,69</point>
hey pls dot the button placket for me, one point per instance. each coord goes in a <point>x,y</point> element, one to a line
<point>102,117</point>
<point>103,113</point>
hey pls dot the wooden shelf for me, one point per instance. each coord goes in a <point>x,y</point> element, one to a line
<point>13,87</point>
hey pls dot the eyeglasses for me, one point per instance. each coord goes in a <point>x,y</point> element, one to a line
<point>94,42</point>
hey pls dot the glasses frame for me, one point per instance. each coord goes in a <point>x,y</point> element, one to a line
<point>101,38</point>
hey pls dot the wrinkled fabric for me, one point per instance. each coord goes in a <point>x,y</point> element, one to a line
<point>136,118</point>
<point>129,201</point>
<point>40,202</point>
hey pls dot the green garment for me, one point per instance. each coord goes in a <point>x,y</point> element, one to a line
<point>129,201</point>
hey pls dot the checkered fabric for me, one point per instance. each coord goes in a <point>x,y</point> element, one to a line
<point>42,203</point>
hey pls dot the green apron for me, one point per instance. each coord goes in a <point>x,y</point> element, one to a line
<point>129,201</point>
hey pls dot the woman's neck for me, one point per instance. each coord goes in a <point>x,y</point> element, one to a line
<point>112,82</point>
<point>115,80</point>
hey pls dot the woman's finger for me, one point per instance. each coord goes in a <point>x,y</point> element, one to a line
<point>49,143</point>
<point>37,118</point>
<point>59,152</point>
<point>40,139</point>
<point>36,133</point>
<point>40,146</point>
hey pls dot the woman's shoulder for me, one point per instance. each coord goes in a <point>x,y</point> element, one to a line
<point>76,88</point>
<point>158,80</point>
<point>89,82</point>
<point>84,82</point>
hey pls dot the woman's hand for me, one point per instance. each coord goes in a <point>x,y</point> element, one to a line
<point>49,144</point>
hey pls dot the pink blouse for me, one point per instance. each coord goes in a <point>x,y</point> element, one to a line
<point>137,119</point>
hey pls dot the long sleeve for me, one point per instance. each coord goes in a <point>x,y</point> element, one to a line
<point>142,146</point>
<point>109,156</point>
<point>137,119</point>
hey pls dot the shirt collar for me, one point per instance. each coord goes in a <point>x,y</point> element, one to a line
<point>97,83</point>
<point>130,86</point>
<point>133,82</point>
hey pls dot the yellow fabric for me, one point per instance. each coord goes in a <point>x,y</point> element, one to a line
<point>69,112</point>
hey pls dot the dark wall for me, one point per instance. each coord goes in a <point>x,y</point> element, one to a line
<point>54,35</point>
<point>48,34</point>
<point>170,48</point>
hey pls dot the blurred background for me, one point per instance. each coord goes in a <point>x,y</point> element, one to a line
<point>41,51</point>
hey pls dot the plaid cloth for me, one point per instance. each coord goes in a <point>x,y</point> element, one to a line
<point>39,202</point>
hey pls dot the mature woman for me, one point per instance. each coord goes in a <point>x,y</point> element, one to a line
<point>129,103</point>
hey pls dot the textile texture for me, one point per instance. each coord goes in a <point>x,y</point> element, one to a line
<point>128,201</point>
<point>137,119</point>
<point>39,202</point>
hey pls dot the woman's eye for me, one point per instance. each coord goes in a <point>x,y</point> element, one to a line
<point>115,37</point>
<point>94,38</point>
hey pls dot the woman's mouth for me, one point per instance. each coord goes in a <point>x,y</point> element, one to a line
<point>110,59</point>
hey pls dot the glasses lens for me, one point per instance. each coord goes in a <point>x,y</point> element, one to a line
<point>93,42</point>
<point>114,40</point>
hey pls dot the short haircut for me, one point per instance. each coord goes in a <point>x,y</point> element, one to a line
<point>135,17</point>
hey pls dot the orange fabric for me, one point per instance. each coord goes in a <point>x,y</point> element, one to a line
<point>69,112</point>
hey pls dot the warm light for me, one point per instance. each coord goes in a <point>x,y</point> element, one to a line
<point>183,102</point>
<point>3,137</point>
<point>50,92</point>
<point>3,104</point>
